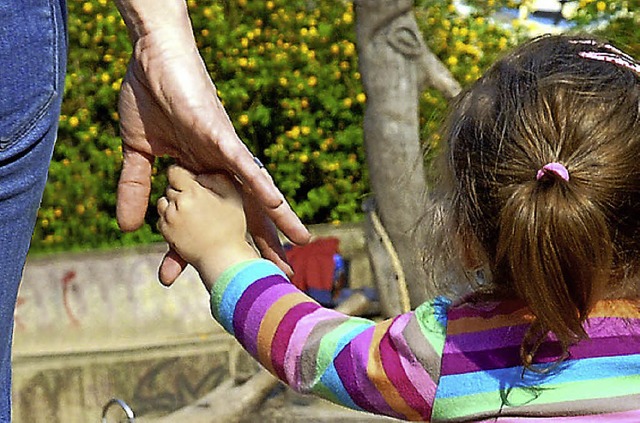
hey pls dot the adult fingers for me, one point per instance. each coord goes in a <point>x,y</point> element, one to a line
<point>264,234</point>
<point>260,183</point>
<point>171,266</point>
<point>134,187</point>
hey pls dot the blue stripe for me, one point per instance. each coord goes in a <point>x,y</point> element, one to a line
<point>330,377</point>
<point>569,371</point>
<point>240,282</point>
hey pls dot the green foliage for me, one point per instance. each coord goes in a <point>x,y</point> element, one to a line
<point>286,71</point>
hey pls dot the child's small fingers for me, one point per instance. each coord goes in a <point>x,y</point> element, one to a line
<point>172,194</point>
<point>220,183</point>
<point>179,177</point>
<point>162,205</point>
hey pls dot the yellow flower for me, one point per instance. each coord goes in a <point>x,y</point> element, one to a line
<point>305,130</point>
<point>242,3</point>
<point>57,212</point>
<point>243,119</point>
<point>80,209</point>
<point>294,132</point>
<point>347,102</point>
<point>349,49</point>
<point>87,7</point>
<point>74,121</point>
<point>452,60</point>
<point>312,81</point>
<point>283,81</point>
<point>243,62</point>
<point>347,17</point>
<point>105,77</point>
<point>303,158</point>
<point>601,6</point>
<point>304,103</point>
<point>207,12</point>
<point>335,49</point>
<point>361,98</point>
<point>344,65</point>
<point>269,5</point>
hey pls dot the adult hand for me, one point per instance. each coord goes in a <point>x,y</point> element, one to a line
<point>169,106</point>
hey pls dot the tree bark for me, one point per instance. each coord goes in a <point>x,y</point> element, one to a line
<point>396,65</point>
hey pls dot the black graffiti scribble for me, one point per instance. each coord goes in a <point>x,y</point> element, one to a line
<point>172,384</point>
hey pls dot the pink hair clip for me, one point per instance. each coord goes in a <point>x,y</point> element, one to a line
<point>614,55</point>
<point>554,167</point>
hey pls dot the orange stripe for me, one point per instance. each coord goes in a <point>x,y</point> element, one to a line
<point>605,308</point>
<point>377,375</point>
<point>617,308</point>
<point>270,323</point>
<point>476,324</point>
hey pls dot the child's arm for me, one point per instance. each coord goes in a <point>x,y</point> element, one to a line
<point>386,368</point>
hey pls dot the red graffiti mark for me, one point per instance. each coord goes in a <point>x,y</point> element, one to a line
<point>17,322</point>
<point>67,279</point>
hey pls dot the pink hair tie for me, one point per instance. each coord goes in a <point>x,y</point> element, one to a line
<point>554,167</point>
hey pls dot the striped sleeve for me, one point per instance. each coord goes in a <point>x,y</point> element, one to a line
<point>391,367</point>
<point>482,376</point>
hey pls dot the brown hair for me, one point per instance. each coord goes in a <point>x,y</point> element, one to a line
<point>559,245</point>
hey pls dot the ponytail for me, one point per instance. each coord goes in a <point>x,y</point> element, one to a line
<point>555,247</point>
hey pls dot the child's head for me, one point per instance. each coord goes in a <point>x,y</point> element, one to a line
<point>560,241</point>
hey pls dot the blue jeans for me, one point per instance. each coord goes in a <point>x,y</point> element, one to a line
<point>32,65</point>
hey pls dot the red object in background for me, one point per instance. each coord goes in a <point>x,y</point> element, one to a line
<point>313,264</point>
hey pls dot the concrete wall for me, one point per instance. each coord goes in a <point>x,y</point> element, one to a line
<point>96,325</point>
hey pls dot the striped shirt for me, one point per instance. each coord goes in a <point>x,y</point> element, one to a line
<point>441,362</point>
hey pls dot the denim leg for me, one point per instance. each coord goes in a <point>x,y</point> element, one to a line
<point>32,66</point>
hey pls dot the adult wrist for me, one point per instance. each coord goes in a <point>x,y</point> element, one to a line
<point>155,17</point>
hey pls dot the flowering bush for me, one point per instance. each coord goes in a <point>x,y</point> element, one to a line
<point>286,71</point>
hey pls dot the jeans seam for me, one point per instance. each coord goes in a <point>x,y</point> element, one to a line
<point>28,125</point>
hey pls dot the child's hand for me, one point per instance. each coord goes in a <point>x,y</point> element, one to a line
<point>203,220</point>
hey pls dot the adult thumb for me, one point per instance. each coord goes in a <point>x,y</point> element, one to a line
<point>134,187</point>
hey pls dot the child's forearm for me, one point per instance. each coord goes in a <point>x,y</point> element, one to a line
<point>348,360</point>
<point>212,268</point>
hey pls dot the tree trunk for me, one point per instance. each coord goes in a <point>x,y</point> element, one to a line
<point>395,65</point>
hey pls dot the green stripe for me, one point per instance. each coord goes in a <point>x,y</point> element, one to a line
<point>431,328</point>
<point>330,341</point>
<point>220,285</point>
<point>548,394</point>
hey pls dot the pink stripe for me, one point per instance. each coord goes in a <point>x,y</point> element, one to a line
<point>485,310</point>
<point>620,417</point>
<point>394,371</point>
<point>421,379</point>
<point>257,311</point>
<point>511,336</point>
<point>298,342</point>
<point>351,365</point>
<point>283,335</point>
